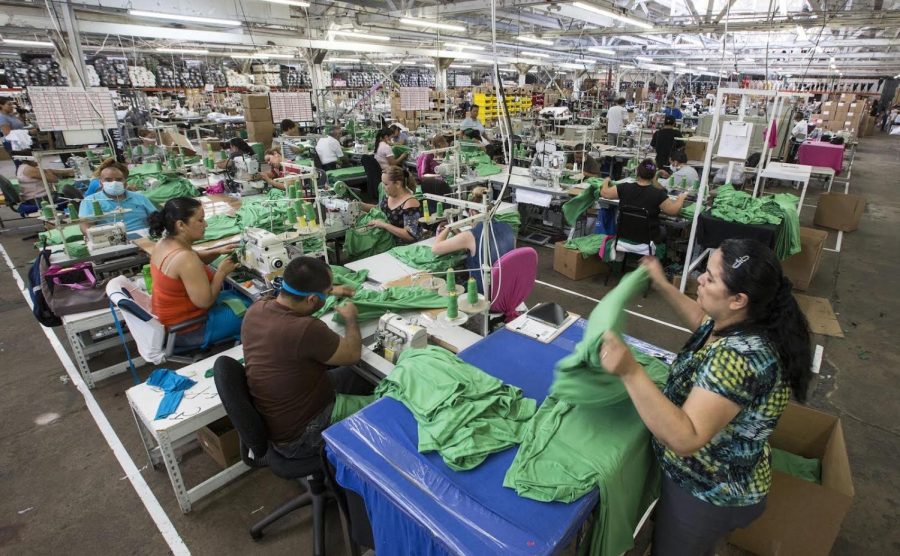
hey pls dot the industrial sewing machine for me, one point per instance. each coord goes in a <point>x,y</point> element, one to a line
<point>82,167</point>
<point>548,166</point>
<point>106,236</point>
<point>263,252</point>
<point>245,171</point>
<point>556,114</point>
<point>395,334</point>
<point>340,214</point>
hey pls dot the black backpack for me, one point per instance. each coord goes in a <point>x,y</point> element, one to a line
<point>39,305</point>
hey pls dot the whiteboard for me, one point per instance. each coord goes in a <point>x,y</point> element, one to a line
<point>294,106</point>
<point>415,98</point>
<point>72,108</point>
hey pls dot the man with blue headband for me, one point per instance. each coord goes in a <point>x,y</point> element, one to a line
<point>289,355</point>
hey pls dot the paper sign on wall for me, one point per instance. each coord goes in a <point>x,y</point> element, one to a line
<point>735,140</point>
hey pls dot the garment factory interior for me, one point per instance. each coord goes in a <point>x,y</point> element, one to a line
<point>474,277</point>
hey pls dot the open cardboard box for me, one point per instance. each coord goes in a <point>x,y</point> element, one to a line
<point>839,211</point>
<point>571,264</point>
<point>801,267</point>
<point>803,518</point>
<point>221,442</point>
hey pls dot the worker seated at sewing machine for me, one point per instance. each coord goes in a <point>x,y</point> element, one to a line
<point>501,240</point>
<point>329,149</point>
<point>641,193</point>
<point>584,162</point>
<point>184,288</point>
<point>114,200</point>
<point>288,352</point>
<point>276,169</point>
<point>237,147</point>
<point>402,209</point>
<point>31,184</point>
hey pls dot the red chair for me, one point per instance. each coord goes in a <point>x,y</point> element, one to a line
<point>512,279</point>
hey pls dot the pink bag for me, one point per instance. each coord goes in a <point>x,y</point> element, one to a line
<point>77,277</point>
<point>216,188</point>
<point>72,289</point>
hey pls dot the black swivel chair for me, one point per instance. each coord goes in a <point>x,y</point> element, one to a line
<point>231,383</point>
<point>373,174</point>
<point>633,225</point>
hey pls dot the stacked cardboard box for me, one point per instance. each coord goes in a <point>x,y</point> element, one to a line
<point>258,117</point>
<point>847,113</point>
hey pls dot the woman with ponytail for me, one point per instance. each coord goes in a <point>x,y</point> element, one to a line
<point>727,388</point>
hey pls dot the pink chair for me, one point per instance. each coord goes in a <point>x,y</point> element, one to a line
<point>512,279</point>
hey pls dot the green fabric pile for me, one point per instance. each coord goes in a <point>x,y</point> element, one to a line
<point>399,150</point>
<point>808,469</point>
<point>146,169</point>
<point>687,211</point>
<point>53,237</point>
<point>737,206</point>
<point>349,173</point>
<point>363,241</point>
<point>371,304</point>
<point>420,257</point>
<point>487,169</point>
<point>589,246</point>
<point>587,434</point>
<point>343,276</point>
<point>462,412</point>
<point>578,205</point>
<point>170,186</point>
<point>346,405</point>
<point>511,218</point>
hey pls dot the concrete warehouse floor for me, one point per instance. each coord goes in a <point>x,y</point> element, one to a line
<point>64,491</point>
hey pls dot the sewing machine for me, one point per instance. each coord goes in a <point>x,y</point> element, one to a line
<point>245,170</point>
<point>556,114</point>
<point>105,236</point>
<point>82,167</point>
<point>264,252</point>
<point>395,334</point>
<point>548,166</point>
<point>340,213</point>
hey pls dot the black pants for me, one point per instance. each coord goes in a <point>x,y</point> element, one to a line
<point>687,526</point>
<point>330,166</point>
<point>344,380</point>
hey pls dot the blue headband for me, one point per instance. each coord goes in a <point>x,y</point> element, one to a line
<point>292,291</point>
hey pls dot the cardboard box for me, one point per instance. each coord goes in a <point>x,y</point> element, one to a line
<point>802,267</point>
<point>571,264</point>
<point>801,517</point>
<point>254,101</point>
<point>210,144</point>
<point>691,288</point>
<point>258,115</point>
<point>695,148</point>
<point>220,440</point>
<point>827,114</point>
<point>828,105</point>
<point>260,128</point>
<point>839,211</point>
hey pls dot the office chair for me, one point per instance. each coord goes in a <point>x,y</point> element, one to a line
<point>373,174</point>
<point>512,279</point>
<point>633,225</point>
<point>231,384</point>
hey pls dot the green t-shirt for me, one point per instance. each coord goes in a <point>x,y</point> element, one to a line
<point>733,468</point>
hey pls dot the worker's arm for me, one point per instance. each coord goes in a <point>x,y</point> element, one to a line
<point>35,173</point>
<point>686,308</point>
<point>673,206</point>
<point>683,429</point>
<point>201,291</point>
<point>397,231</point>
<point>609,191</point>
<point>443,244</point>
<point>5,128</point>
<point>349,349</point>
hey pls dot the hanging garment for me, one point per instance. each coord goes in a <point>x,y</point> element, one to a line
<point>421,258</point>
<point>462,412</point>
<point>578,205</point>
<point>173,385</point>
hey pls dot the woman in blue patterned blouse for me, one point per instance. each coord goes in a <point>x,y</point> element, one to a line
<point>727,389</point>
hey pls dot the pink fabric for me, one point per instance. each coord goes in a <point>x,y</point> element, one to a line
<point>820,153</point>
<point>773,135</point>
<point>425,164</point>
<point>515,274</point>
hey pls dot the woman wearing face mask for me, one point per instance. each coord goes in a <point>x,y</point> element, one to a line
<point>680,170</point>
<point>184,288</point>
<point>726,391</point>
<point>113,196</point>
<point>401,207</point>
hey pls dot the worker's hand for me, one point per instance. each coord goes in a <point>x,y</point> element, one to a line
<point>227,266</point>
<point>347,311</point>
<point>615,357</point>
<point>682,196</point>
<point>343,291</point>
<point>663,175</point>
<point>377,224</point>
<point>654,269</point>
<point>606,182</point>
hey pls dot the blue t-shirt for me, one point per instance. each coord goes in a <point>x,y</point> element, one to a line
<point>12,121</point>
<point>502,241</point>
<point>93,187</point>
<point>135,219</point>
<point>674,112</point>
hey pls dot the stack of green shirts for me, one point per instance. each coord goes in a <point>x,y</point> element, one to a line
<point>511,218</point>
<point>737,206</point>
<point>687,211</point>
<point>462,412</point>
<point>587,434</point>
<point>371,304</point>
<point>590,246</point>
<point>363,241</point>
<point>487,169</point>
<point>420,257</point>
<point>344,174</point>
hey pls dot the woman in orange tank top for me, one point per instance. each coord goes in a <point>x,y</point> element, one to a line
<point>184,287</point>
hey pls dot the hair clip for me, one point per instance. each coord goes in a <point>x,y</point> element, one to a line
<point>739,261</point>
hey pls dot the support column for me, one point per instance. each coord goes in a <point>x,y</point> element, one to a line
<point>440,73</point>
<point>314,59</point>
<point>523,71</point>
<point>75,68</point>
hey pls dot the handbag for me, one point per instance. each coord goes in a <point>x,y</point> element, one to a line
<point>72,289</point>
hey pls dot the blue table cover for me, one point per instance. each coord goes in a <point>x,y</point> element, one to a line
<point>417,505</point>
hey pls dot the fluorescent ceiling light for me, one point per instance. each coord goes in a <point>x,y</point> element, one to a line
<point>426,23</point>
<point>613,15</point>
<point>461,45</point>
<point>702,68</point>
<point>385,63</point>
<point>183,50</point>
<point>571,66</point>
<point>529,62</point>
<point>180,17</point>
<point>28,43</point>
<point>460,66</point>
<point>643,58</point>
<point>263,56</point>
<point>682,64</point>
<point>297,3</point>
<point>535,40</point>
<point>601,50</point>
<point>626,67</point>
<point>358,35</point>
<point>347,60</point>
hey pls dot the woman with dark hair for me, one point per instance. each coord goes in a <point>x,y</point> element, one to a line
<point>384,154</point>
<point>236,147</point>
<point>401,207</point>
<point>184,288</point>
<point>643,194</point>
<point>725,393</point>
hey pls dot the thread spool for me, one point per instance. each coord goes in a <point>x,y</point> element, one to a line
<point>451,279</point>
<point>439,210</point>
<point>452,305</point>
<point>96,208</point>
<point>292,216</point>
<point>73,212</point>
<point>46,211</point>
<point>309,212</point>
<point>292,191</point>
<point>425,213</point>
<point>298,207</point>
<point>158,166</point>
<point>471,291</point>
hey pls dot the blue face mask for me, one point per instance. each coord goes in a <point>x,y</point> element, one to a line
<point>114,188</point>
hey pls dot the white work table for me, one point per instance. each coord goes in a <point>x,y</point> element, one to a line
<point>385,267</point>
